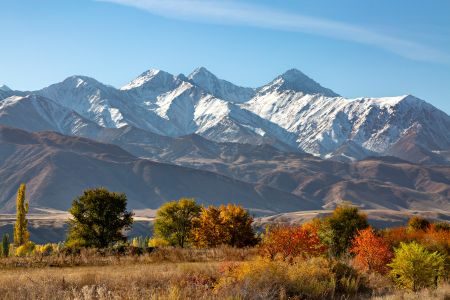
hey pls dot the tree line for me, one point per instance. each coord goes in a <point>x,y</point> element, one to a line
<point>415,256</point>
<point>99,218</point>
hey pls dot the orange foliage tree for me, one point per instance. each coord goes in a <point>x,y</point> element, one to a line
<point>288,242</point>
<point>372,252</point>
<point>434,238</point>
<point>224,225</point>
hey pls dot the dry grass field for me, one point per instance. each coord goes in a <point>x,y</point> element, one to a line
<point>165,274</point>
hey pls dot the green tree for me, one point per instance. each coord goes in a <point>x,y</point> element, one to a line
<point>174,221</point>
<point>338,230</point>
<point>5,245</point>
<point>21,234</point>
<point>98,219</point>
<point>414,267</point>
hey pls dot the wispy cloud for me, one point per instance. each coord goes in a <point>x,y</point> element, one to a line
<point>234,13</point>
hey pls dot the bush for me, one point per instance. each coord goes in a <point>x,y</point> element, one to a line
<point>442,226</point>
<point>45,250</point>
<point>158,242</point>
<point>140,242</point>
<point>418,223</point>
<point>26,249</point>
<point>315,278</point>
<point>255,279</point>
<point>312,279</point>
<point>414,267</point>
<point>347,280</point>
<point>74,245</point>
<point>287,242</point>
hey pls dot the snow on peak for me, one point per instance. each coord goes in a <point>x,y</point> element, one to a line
<point>295,80</point>
<point>201,72</point>
<point>78,81</point>
<point>5,88</point>
<point>390,102</point>
<point>145,77</point>
<point>220,88</point>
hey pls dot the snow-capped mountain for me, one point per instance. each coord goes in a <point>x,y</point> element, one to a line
<point>220,88</point>
<point>322,124</point>
<point>167,105</point>
<point>295,81</point>
<point>36,113</point>
<point>292,112</point>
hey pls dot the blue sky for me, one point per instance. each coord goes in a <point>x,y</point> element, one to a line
<point>357,48</point>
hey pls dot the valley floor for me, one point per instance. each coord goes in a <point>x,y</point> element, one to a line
<point>50,226</point>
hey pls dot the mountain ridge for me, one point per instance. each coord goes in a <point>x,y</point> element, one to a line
<point>292,111</point>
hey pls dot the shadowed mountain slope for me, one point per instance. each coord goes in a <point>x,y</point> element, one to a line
<point>56,168</point>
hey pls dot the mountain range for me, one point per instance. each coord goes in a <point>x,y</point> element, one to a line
<point>291,144</point>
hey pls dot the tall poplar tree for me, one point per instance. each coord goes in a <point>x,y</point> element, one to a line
<point>21,234</point>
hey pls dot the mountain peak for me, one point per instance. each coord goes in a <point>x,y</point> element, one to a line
<point>5,88</point>
<point>80,80</point>
<point>220,88</point>
<point>201,71</point>
<point>297,81</point>
<point>293,74</point>
<point>146,77</point>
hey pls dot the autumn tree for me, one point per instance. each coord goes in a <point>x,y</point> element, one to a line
<point>287,242</point>
<point>414,267</point>
<point>224,225</point>
<point>372,252</point>
<point>238,224</point>
<point>418,223</point>
<point>21,234</point>
<point>209,228</point>
<point>98,219</point>
<point>338,230</point>
<point>174,221</point>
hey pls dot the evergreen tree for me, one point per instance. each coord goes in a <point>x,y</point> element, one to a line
<point>5,245</point>
<point>21,234</point>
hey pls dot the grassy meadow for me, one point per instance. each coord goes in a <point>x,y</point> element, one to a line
<point>174,273</point>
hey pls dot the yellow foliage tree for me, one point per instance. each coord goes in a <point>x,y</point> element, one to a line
<point>209,229</point>
<point>21,234</point>
<point>225,225</point>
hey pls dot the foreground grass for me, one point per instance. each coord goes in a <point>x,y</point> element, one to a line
<point>149,281</point>
<point>172,274</point>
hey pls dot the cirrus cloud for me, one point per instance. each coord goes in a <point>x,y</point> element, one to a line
<point>234,13</point>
